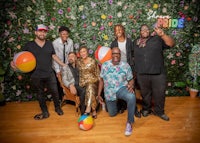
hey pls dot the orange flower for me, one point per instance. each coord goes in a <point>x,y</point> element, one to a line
<point>131,16</point>
<point>110,23</point>
<point>93,23</point>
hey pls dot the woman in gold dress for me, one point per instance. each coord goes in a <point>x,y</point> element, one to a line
<point>89,77</point>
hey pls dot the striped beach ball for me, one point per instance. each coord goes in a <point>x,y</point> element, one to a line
<point>103,54</point>
<point>85,122</point>
<point>24,61</point>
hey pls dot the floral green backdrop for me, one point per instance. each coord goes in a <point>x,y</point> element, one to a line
<point>91,22</point>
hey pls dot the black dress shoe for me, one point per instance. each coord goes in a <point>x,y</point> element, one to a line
<point>164,117</point>
<point>59,111</point>
<point>121,110</point>
<point>137,114</point>
<point>145,113</point>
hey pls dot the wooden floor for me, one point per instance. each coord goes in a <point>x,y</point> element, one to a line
<point>18,126</point>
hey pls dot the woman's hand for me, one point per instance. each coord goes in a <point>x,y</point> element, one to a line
<point>100,99</point>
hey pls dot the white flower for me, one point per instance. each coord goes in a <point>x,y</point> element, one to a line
<point>119,3</point>
<point>51,26</point>
<point>18,92</point>
<point>170,56</point>
<point>12,15</point>
<point>106,44</point>
<point>125,7</point>
<point>6,33</point>
<point>29,9</point>
<point>164,10</point>
<point>42,17</point>
<point>11,39</point>
<point>53,36</point>
<point>28,21</point>
<point>81,8</point>
<point>119,14</point>
<point>73,17</point>
<point>123,23</point>
<point>14,87</point>
<point>26,31</point>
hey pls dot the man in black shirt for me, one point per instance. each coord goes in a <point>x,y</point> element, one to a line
<point>43,75</point>
<point>149,67</point>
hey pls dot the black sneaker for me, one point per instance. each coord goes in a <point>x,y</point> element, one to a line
<point>164,117</point>
<point>41,116</point>
<point>137,114</point>
<point>59,111</point>
<point>145,113</point>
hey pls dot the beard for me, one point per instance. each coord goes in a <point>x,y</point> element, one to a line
<point>42,38</point>
<point>70,61</point>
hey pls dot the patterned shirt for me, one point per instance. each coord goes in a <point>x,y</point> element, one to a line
<point>115,77</point>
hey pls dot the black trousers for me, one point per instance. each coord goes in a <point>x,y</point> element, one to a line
<point>51,84</point>
<point>60,89</point>
<point>153,91</point>
<point>81,94</point>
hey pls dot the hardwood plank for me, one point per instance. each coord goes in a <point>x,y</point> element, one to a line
<point>17,125</point>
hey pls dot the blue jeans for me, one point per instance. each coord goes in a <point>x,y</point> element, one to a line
<point>130,99</point>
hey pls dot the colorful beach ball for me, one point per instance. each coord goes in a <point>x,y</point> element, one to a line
<point>85,122</point>
<point>24,61</point>
<point>103,54</point>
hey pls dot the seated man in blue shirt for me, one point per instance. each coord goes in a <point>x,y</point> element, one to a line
<point>117,80</point>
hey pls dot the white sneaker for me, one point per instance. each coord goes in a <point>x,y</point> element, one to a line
<point>128,130</point>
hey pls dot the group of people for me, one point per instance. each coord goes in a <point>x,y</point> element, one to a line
<point>141,59</point>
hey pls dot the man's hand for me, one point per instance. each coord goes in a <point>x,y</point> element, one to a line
<point>12,64</point>
<point>130,88</point>
<point>159,31</point>
<point>72,89</point>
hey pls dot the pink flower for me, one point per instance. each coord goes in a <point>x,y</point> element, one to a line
<point>133,30</point>
<point>8,22</point>
<point>60,11</point>
<point>173,62</point>
<point>6,33</point>
<point>93,5</point>
<point>110,16</point>
<point>11,39</point>
<point>178,54</point>
<point>68,9</point>
<point>26,31</point>
<point>84,25</point>
<point>19,38</point>
<point>94,37</point>
<point>101,28</point>
<point>53,18</point>
<point>110,1</point>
